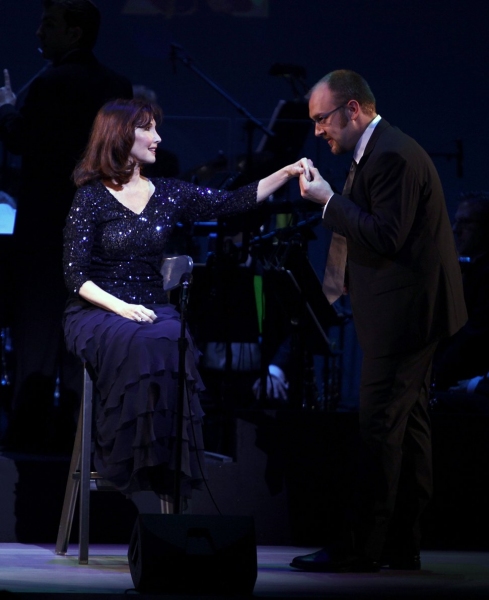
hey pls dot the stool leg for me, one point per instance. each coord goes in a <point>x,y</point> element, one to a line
<point>71,492</point>
<point>85,468</point>
<point>166,505</point>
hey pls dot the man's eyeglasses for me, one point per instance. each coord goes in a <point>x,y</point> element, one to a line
<point>322,118</point>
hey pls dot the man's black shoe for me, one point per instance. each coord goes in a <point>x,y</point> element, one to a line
<point>322,562</point>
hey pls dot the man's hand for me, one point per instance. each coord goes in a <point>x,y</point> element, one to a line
<point>6,94</point>
<point>277,385</point>
<point>314,187</point>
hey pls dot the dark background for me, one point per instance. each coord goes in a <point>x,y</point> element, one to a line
<point>425,60</point>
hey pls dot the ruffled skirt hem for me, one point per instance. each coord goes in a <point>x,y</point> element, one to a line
<point>135,369</point>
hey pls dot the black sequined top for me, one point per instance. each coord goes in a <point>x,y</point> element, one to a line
<point>121,251</point>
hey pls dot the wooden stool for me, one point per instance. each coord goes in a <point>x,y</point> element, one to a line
<point>80,478</point>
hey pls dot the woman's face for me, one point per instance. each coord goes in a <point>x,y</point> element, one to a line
<point>145,142</point>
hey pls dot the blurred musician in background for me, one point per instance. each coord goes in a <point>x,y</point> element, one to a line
<point>49,130</point>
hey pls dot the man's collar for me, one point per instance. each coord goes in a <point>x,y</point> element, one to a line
<point>364,138</point>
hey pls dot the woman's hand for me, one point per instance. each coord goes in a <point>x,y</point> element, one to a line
<point>301,167</point>
<point>269,185</point>
<point>136,312</point>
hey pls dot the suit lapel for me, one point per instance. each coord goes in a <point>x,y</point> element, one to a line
<point>381,126</point>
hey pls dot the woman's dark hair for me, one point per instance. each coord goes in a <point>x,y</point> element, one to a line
<point>112,137</point>
<point>80,13</point>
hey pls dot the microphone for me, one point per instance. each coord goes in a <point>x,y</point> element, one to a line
<point>185,282</point>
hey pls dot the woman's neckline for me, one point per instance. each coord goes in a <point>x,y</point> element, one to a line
<point>114,195</point>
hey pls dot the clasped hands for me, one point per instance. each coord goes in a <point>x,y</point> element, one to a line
<point>312,185</point>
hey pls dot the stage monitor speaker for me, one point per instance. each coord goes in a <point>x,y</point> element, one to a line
<point>193,554</point>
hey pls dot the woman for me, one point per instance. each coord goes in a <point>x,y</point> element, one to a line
<point>118,319</point>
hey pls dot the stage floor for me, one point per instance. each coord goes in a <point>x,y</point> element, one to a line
<point>35,569</point>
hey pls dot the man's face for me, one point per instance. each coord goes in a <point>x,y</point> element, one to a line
<point>54,34</point>
<point>469,235</point>
<point>336,128</point>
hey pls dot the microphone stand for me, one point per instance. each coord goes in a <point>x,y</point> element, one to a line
<point>185,282</point>
<point>178,53</point>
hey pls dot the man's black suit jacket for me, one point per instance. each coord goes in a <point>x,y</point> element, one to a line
<point>404,278</point>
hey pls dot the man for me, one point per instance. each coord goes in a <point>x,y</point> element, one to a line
<point>406,294</point>
<point>462,356</point>
<point>49,130</point>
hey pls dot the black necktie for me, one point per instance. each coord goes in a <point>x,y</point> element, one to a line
<point>334,274</point>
